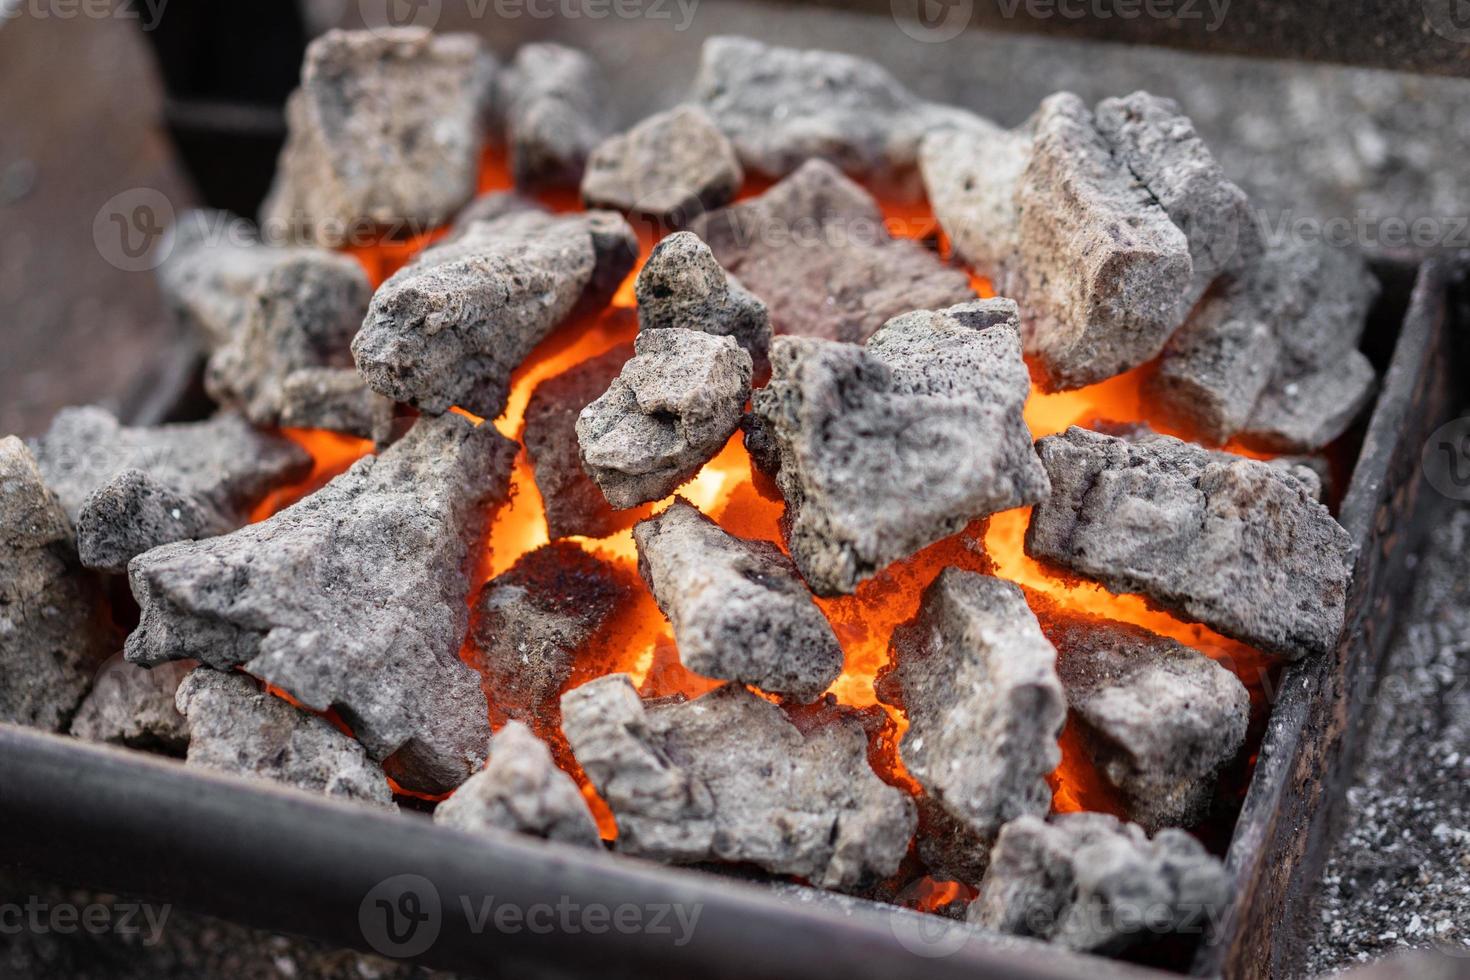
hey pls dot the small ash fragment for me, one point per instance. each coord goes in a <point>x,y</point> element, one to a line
<point>377,633</point>
<point>681,285</point>
<point>670,167</point>
<point>728,777</point>
<point>739,610</point>
<point>552,101</point>
<point>235,727</point>
<point>132,489</point>
<point>521,790</point>
<point>134,706</point>
<point>671,408</point>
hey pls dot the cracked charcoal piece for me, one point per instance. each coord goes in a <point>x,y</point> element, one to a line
<point>553,106</point>
<point>55,625</point>
<point>385,131</point>
<point>887,449</point>
<point>134,706</point>
<point>352,598</point>
<point>531,621</point>
<point>1230,542</point>
<point>670,167</point>
<point>672,407</point>
<point>132,489</point>
<point>681,285</point>
<point>738,609</point>
<point>1158,719</point>
<point>449,328</point>
<point>235,727</point>
<point>815,250</point>
<point>971,177</point>
<point>1088,882</point>
<point>978,682</point>
<point>728,777</point>
<point>521,790</point>
<point>336,399</point>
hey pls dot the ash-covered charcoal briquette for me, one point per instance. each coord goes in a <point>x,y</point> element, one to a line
<point>552,104</point>
<point>352,598</point>
<point>449,328</point>
<point>132,489</point>
<point>1234,543</point>
<point>670,167</point>
<point>385,131</point>
<point>682,285</point>
<point>815,249</point>
<point>671,408</point>
<point>134,706</point>
<point>728,777</point>
<point>886,449</point>
<point>738,608</point>
<point>521,790</point>
<point>970,177</point>
<point>236,727</point>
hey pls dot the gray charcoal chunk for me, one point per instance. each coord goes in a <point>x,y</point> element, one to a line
<point>132,489</point>
<point>1230,542</point>
<point>970,177</point>
<point>670,167</point>
<point>238,728</point>
<point>449,328</point>
<point>671,408</point>
<point>815,249</point>
<point>728,777</point>
<point>134,706</point>
<point>385,131</point>
<point>490,207</point>
<point>682,285</point>
<point>1307,412</point>
<point>978,683</point>
<point>55,623</point>
<point>886,449</point>
<point>336,399</point>
<point>521,790</point>
<point>1158,720</point>
<point>738,608</point>
<point>352,598</point>
<point>531,622</point>
<point>552,101</point>
<point>1088,882</point>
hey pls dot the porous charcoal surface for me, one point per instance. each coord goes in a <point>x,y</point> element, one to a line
<point>814,248</point>
<point>55,625</point>
<point>132,489</point>
<point>670,167</point>
<point>1233,543</point>
<point>978,683</point>
<point>385,130</point>
<point>728,777</point>
<point>521,790</point>
<point>449,328</point>
<point>671,408</point>
<point>739,610</point>
<point>886,449</point>
<point>552,101</point>
<point>353,598</point>
<point>236,727</point>
<point>1088,882</point>
<point>336,399</point>
<point>970,177</point>
<point>134,706</point>
<point>682,285</point>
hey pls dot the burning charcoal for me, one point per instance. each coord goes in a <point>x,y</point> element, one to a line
<point>134,706</point>
<point>978,682</point>
<point>531,621</point>
<point>235,727</point>
<point>1305,412</point>
<point>521,790</point>
<point>728,777</point>
<point>385,131</point>
<point>492,207</point>
<point>670,167</point>
<point>573,503</point>
<point>814,248</point>
<point>888,449</point>
<point>353,598</point>
<point>1226,541</point>
<point>133,489</point>
<point>1088,882</point>
<point>1158,719</point>
<point>552,100</point>
<point>738,608</point>
<point>449,328</point>
<point>681,285</point>
<point>337,400</point>
<point>971,177</point>
<point>666,414</point>
<point>55,625</point>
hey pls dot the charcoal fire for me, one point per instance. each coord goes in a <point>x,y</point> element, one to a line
<point>670,167</point>
<point>681,285</point>
<point>552,103</point>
